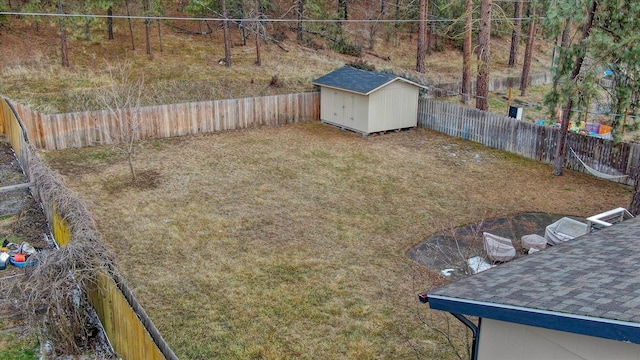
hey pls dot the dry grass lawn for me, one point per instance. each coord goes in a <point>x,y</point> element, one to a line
<point>289,242</point>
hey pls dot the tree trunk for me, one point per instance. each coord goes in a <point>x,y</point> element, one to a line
<point>634,208</point>
<point>258,16</point>
<point>87,31</point>
<point>227,39</point>
<point>564,39</point>
<point>343,11</point>
<point>558,163</point>
<point>300,13</point>
<point>133,43</point>
<point>528,53</point>
<point>64,53</point>
<point>422,37</point>
<point>110,22</point>
<point>147,26</point>
<point>429,35</point>
<point>466,52</point>
<point>515,35</point>
<point>159,35</point>
<point>131,168</point>
<point>484,55</point>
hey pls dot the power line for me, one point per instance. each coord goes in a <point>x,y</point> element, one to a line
<point>142,17</point>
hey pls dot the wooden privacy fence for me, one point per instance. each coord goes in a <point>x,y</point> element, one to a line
<point>74,130</point>
<point>128,328</point>
<point>453,89</point>
<point>528,139</point>
<point>16,133</point>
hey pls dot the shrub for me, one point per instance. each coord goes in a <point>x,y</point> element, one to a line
<point>343,46</point>
<point>361,64</point>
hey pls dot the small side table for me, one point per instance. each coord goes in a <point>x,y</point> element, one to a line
<point>534,241</point>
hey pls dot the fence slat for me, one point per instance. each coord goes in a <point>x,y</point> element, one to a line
<point>62,131</point>
<point>127,326</point>
<point>453,89</point>
<point>527,139</point>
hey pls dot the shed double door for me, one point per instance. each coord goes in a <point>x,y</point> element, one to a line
<point>344,110</point>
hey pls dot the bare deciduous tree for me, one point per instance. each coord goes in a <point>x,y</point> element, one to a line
<point>121,98</point>
<point>450,248</point>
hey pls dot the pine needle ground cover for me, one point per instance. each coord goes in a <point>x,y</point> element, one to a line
<point>289,242</point>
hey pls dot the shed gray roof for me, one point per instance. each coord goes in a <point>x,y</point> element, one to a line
<point>595,278</point>
<point>358,81</point>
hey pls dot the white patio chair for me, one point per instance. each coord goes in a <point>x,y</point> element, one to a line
<point>565,229</point>
<point>499,249</point>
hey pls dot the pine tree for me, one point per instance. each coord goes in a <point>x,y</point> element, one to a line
<point>484,56</point>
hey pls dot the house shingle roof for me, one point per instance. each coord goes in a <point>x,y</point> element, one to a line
<point>356,80</point>
<point>594,277</point>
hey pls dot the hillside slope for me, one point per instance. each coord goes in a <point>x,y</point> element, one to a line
<point>188,68</point>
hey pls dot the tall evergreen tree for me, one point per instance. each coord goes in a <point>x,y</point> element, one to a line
<point>227,38</point>
<point>422,36</point>
<point>609,40</point>
<point>146,6</point>
<point>558,163</point>
<point>528,51</point>
<point>300,14</point>
<point>219,9</point>
<point>484,56</point>
<point>515,35</point>
<point>466,51</point>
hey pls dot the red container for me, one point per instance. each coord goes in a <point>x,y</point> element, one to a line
<point>19,258</point>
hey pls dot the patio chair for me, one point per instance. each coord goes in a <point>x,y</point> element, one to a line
<point>565,229</point>
<point>499,249</point>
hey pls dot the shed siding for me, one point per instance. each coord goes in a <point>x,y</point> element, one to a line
<point>344,108</point>
<point>394,106</point>
<point>503,340</point>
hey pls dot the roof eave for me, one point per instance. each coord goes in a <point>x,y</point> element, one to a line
<point>577,324</point>
<point>394,80</point>
<point>339,88</point>
<point>412,83</point>
<point>374,89</point>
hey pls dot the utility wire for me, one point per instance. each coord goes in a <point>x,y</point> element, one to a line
<point>141,17</point>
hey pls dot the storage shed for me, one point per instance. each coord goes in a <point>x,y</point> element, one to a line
<point>366,101</point>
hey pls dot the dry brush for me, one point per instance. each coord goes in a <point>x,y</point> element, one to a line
<point>53,294</point>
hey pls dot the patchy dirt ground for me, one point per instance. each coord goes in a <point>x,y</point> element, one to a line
<point>21,220</point>
<point>21,217</point>
<point>450,249</point>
